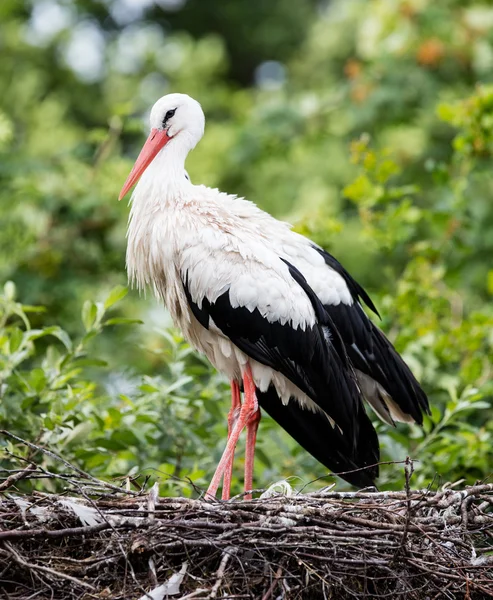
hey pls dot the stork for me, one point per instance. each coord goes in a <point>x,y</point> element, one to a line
<point>274,312</point>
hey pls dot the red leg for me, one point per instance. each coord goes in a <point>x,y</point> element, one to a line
<point>248,409</point>
<point>233,415</point>
<point>252,427</point>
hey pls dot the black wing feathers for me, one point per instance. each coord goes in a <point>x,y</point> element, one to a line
<point>323,317</point>
<point>315,434</point>
<point>306,357</point>
<point>354,287</point>
<point>370,351</point>
<point>200,314</point>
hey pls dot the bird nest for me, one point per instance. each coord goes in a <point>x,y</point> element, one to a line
<point>96,540</point>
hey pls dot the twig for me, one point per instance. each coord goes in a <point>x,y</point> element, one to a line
<point>227,554</point>
<point>272,587</point>
<point>47,570</point>
<point>408,470</point>
<point>16,477</point>
<point>19,534</point>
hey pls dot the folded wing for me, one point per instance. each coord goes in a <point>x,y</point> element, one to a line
<point>272,315</point>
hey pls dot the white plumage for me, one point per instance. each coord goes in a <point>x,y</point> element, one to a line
<point>205,240</point>
<point>261,301</point>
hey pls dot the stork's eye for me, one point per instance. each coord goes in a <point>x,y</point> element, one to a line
<point>168,115</point>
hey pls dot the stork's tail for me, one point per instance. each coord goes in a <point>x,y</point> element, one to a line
<point>313,431</point>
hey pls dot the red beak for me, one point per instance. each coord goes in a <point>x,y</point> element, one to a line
<point>157,140</point>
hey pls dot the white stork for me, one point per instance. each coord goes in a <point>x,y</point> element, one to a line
<point>274,312</point>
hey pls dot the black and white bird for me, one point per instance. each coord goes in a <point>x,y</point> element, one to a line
<point>274,312</point>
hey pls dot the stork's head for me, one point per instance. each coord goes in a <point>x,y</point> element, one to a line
<point>176,119</point>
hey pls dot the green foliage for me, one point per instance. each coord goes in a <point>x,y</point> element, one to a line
<point>474,118</point>
<point>49,395</point>
<point>377,142</point>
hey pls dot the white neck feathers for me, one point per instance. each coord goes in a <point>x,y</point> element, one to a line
<point>164,181</point>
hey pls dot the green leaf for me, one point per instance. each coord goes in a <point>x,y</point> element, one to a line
<point>89,312</point>
<point>28,308</point>
<point>148,389</point>
<point>54,330</point>
<point>79,433</point>
<point>37,379</point>
<point>109,444</point>
<point>9,291</point>
<point>89,336</point>
<point>123,321</point>
<point>116,294</point>
<point>16,336</point>
<point>60,334</point>
<point>180,382</point>
<point>62,380</point>
<point>91,362</point>
<point>489,283</point>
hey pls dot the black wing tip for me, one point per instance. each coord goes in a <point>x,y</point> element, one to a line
<point>409,395</point>
<point>357,291</point>
<point>312,431</point>
<point>404,387</point>
<point>368,301</point>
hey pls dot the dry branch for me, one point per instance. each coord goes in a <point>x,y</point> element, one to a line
<point>98,541</point>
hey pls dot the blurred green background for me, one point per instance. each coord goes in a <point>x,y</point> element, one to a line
<point>366,123</point>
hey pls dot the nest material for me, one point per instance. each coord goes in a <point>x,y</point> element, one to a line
<point>99,541</point>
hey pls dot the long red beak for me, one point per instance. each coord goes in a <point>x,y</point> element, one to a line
<point>157,140</point>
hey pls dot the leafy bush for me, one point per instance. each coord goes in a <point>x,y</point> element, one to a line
<point>122,426</point>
